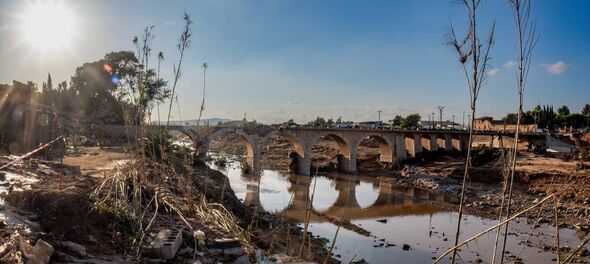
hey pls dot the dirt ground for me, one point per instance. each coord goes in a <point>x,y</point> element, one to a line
<point>62,214</point>
<point>96,161</point>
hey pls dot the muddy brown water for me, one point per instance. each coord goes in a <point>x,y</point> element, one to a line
<point>393,215</point>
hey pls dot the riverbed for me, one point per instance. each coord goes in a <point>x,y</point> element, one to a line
<point>406,224</point>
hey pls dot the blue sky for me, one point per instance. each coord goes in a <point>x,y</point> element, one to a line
<point>275,60</point>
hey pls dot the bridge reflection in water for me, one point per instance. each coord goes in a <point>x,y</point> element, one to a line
<point>391,200</point>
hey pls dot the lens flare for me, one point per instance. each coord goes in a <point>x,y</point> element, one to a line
<point>107,68</point>
<point>48,25</point>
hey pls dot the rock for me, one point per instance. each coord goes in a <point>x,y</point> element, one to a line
<point>234,252</point>
<point>406,247</point>
<point>185,251</point>
<point>242,260</point>
<point>76,248</point>
<point>2,176</point>
<point>40,253</point>
<point>215,251</point>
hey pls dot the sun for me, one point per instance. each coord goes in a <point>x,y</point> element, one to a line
<point>48,25</point>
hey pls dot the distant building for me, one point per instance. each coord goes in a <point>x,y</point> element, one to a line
<point>487,123</point>
<point>445,125</point>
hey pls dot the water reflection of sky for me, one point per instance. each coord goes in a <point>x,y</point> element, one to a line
<point>412,228</point>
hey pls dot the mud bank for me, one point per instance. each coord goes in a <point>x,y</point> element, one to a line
<point>57,210</point>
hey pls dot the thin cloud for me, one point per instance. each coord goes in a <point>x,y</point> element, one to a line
<point>493,72</point>
<point>510,64</point>
<point>555,68</point>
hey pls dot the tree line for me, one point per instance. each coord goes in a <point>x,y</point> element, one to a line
<point>545,117</point>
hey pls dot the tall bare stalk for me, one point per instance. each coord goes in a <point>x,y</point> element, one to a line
<point>307,217</point>
<point>527,40</point>
<point>505,174</point>
<point>557,229</point>
<point>475,55</point>
<point>333,242</point>
<point>160,59</point>
<point>205,66</point>
<point>183,43</point>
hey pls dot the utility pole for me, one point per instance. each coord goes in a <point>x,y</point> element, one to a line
<point>379,115</point>
<point>469,121</point>
<point>453,122</point>
<point>440,111</point>
<point>463,124</point>
<point>433,126</point>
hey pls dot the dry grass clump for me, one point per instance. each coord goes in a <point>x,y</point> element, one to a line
<point>146,187</point>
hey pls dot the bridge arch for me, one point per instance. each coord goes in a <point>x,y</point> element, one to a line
<point>385,146</point>
<point>187,131</point>
<point>249,141</point>
<point>296,150</point>
<point>346,157</point>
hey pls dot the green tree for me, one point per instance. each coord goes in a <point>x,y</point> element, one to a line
<point>319,121</point>
<point>576,120</point>
<point>411,121</point>
<point>546,117</point>
<point>397,121</point>
<point>563,111</point>
<point>510,118</point>
<point>586,110</point>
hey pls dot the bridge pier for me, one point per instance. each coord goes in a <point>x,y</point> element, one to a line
<point>417,144</point>
<point>448,143</point>
<point>433,142</point>
<point>348,164</point>
<point>304,165</point>
<point>254,163</point>
<point>400,147</point>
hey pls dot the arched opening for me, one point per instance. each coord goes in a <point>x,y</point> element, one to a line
<point>456,143</point>
<point>374,153</point>
<point>425,142</point>
<point>441,142</point>
<point>182,138</point>
<point>331,152</point>
<point>413,144</point>
<point>281,152</point>
<point>230,146</point>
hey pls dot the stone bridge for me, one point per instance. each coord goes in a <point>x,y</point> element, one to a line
<point>394,145</point>
<point>392,200</point>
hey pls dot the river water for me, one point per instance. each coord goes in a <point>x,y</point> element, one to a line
<point>393,215</point>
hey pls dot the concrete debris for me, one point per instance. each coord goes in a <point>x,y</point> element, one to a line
<point>165,244</point>
<point>40,253</point>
